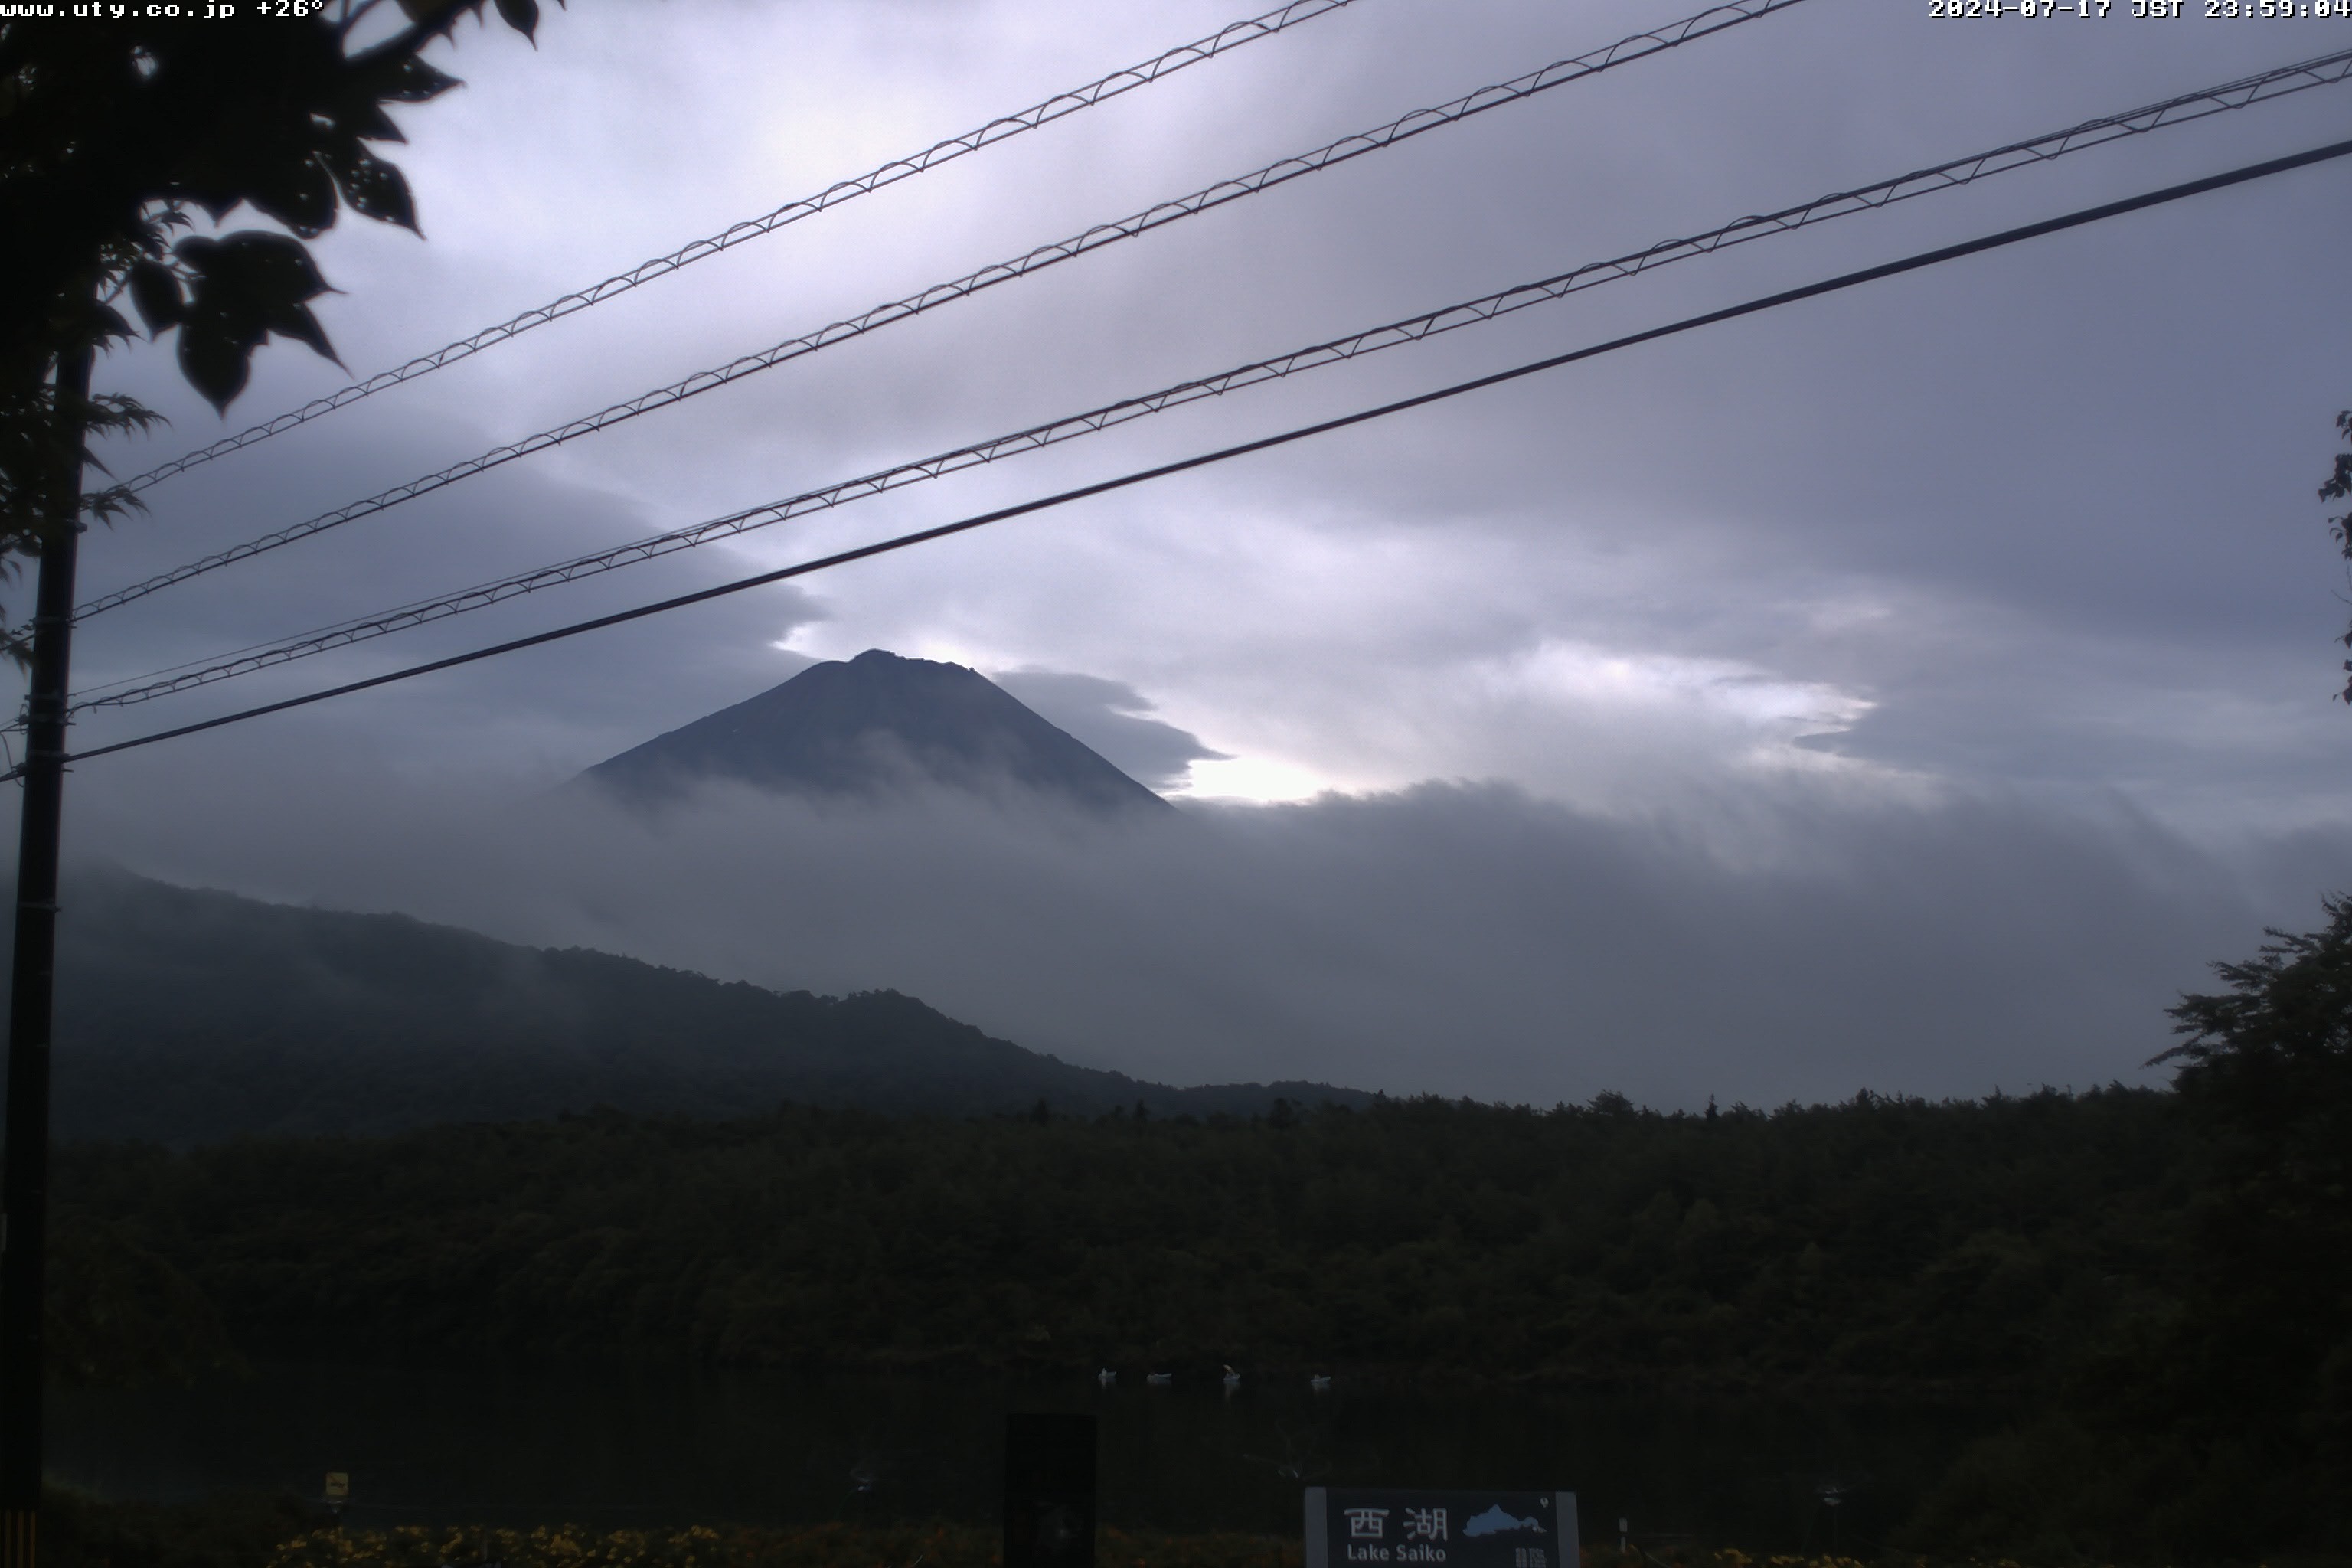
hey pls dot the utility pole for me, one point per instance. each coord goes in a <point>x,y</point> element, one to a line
<point>25,1166</point>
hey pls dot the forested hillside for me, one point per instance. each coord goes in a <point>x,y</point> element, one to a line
<point>2102,1266</point>
<point>186,1015</point>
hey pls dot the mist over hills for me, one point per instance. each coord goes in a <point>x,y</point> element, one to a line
<point>1803,939</point>
<point>869,727</point>
<point>186,1015</point>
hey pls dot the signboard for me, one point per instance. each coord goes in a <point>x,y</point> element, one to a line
<point>1351,1527</point>
<point>339,1485</point>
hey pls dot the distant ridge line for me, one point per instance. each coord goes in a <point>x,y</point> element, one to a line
<point>198,1017</point>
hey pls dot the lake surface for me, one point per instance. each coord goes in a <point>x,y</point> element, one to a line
<point>652,1445</point>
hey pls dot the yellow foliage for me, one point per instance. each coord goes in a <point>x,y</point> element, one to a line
<point>703,1546</point>
<point>890,1546</point>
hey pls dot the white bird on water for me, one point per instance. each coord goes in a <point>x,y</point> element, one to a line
<point>1319,1382</point>
<point>1105,1377</point>
<point>1233,1378</point>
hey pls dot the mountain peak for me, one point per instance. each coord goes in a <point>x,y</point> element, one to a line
<point>871,726</point>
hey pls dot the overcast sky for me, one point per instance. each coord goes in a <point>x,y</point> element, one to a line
<point>1912,688</point>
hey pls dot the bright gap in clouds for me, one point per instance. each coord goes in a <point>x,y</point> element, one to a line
<point>1554,698</point>
<point>1254,781</point>
<point>1570,681</point>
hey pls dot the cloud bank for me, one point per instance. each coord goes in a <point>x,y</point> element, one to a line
<point>1801,941</point>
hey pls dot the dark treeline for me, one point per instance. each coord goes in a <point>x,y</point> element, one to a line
<point>2089,1261</point>
<point>1890,1243</point>
<point>2158,1285</point>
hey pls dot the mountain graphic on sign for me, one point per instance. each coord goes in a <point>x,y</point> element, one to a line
<point>1494,1521</point>
<point>872,727</point>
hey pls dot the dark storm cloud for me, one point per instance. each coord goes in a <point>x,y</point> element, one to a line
<point>2085,438</point>
<point>632,682</point>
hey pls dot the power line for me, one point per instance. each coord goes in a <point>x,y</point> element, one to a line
<point>2175,111</point>
<point>1224,41</point>
<point>1639,46</point>
<point>923,536</point>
